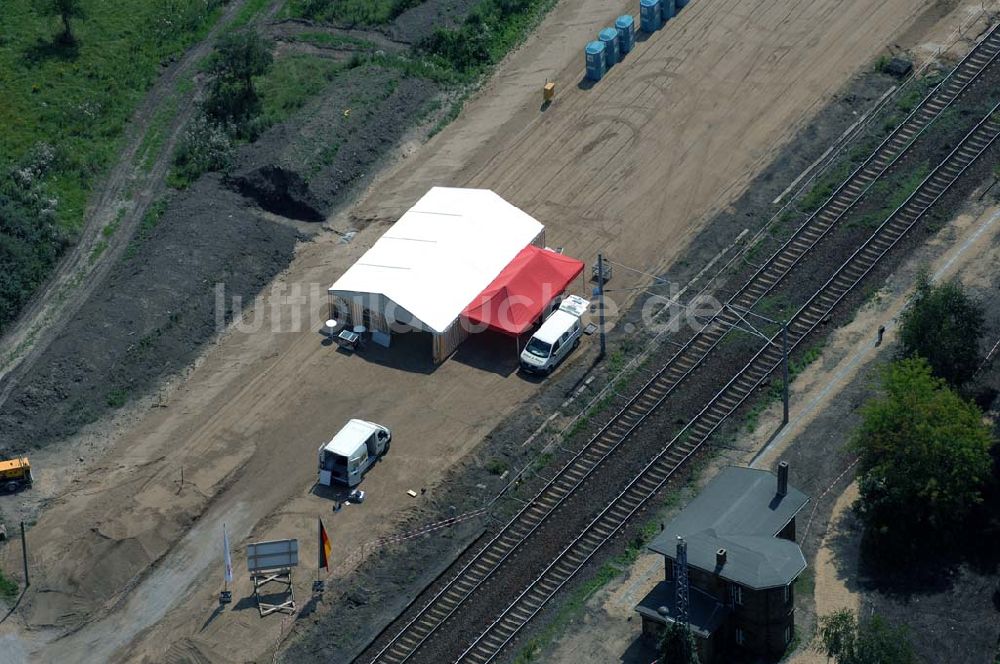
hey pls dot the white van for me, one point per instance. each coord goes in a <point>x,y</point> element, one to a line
<point>352,451</point>
<point>558,335</point>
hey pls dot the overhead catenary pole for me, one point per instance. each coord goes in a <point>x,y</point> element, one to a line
<point>600,301</point>
<point>784,363</point>
<point>24,556</point>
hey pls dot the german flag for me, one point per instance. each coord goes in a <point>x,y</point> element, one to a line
<point>324,547</point>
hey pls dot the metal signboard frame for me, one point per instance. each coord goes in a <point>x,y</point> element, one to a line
<point>272,555</point>
<point>271,563</point>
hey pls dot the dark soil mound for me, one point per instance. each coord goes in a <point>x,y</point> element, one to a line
<point>281,191</point>
<point>302,169</point>
<point>150,317</point>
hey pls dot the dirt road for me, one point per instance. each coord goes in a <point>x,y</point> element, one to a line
<point>127,561</point>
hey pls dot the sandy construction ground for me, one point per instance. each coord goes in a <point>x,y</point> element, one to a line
<point>126,559</point>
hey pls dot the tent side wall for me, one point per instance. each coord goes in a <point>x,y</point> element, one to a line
<point>446,342</point>
<point>373,310</point>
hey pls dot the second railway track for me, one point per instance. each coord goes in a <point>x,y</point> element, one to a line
<point>686,442</point>
<point>408,640</point>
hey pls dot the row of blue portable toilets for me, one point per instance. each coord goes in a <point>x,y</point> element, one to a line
<point>613,43</point>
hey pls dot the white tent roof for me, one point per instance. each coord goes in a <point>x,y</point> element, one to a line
<point>441,254</point>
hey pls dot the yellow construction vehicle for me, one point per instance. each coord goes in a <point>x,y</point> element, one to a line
<point>15,474</point>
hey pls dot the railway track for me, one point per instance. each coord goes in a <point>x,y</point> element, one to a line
<point>688,358</point>
<point>652,478</point>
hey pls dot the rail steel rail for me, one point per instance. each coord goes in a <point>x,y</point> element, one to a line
<point>689,357</point>
<point>652,478</point>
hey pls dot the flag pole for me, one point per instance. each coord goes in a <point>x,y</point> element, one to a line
<point>225,597</point>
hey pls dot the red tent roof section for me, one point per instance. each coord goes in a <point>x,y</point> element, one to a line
<point>522,290</point>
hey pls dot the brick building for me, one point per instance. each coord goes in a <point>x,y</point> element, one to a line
<point>742,564</point>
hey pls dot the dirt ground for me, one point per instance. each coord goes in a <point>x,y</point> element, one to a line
<point>824,408</point>
<point>126,557</point>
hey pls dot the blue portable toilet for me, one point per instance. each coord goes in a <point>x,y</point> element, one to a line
<point>610,38</point>
<point>649,16</point>
<point>668,9</point>
<point>595,60</point>
<point>626,33</point>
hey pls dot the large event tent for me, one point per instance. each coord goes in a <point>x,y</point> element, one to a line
<point>436,261</point>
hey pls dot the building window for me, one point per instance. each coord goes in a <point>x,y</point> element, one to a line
<point>741,637</point>
<point>737,594</point>
<point>788,593</point>
<point>788,634</point>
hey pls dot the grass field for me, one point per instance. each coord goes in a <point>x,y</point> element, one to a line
<point>64,112</point>
<point>78,98</point>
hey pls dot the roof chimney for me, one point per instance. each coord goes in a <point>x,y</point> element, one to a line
<point>783,478</point>
<point>720,557</point>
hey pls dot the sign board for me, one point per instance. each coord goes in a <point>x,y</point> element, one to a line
<point>276,554</point>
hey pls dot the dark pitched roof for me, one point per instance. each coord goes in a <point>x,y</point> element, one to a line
<point>705,613</point>
<point>739,511</point>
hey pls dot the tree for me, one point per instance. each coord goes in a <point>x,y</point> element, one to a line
<point>924,457</point>
<point>238,58</point>
<point>677,645</point>
<point>867,641</point>
<point>943,324</point>
<point>65,10</point>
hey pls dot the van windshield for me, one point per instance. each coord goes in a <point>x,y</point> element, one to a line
<point>538,348</point>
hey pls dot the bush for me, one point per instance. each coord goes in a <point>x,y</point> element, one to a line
<point>8,588</point>
<point>872,640</point>
<point>206,146</point>
<point>238,59</point>
<point>492,28</point>
<point>677,645</point>
<point>30,238</point>
<point>173,17</point>
<point>944,325</point>
<point>496,467</point>
<point>924,459</point>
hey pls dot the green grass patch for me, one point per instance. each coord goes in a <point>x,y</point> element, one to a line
<point>793,645</point>
<point>777,388</point>
<point>496,466</point>
<point>291,82</point>
<point>893,192</point>
<point>490,31</point>
<point>8,587</point>
<point>106,233</point>
<point>541,461</point>
<point>348,12</point>
<point>335,41</point>
<point>776,306</point>
<point>146,226</point>
<point>248,12</point>
<point>825,186</point>
<point>116,398</point>
<point>805,585</point>
<point>156,134</point>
